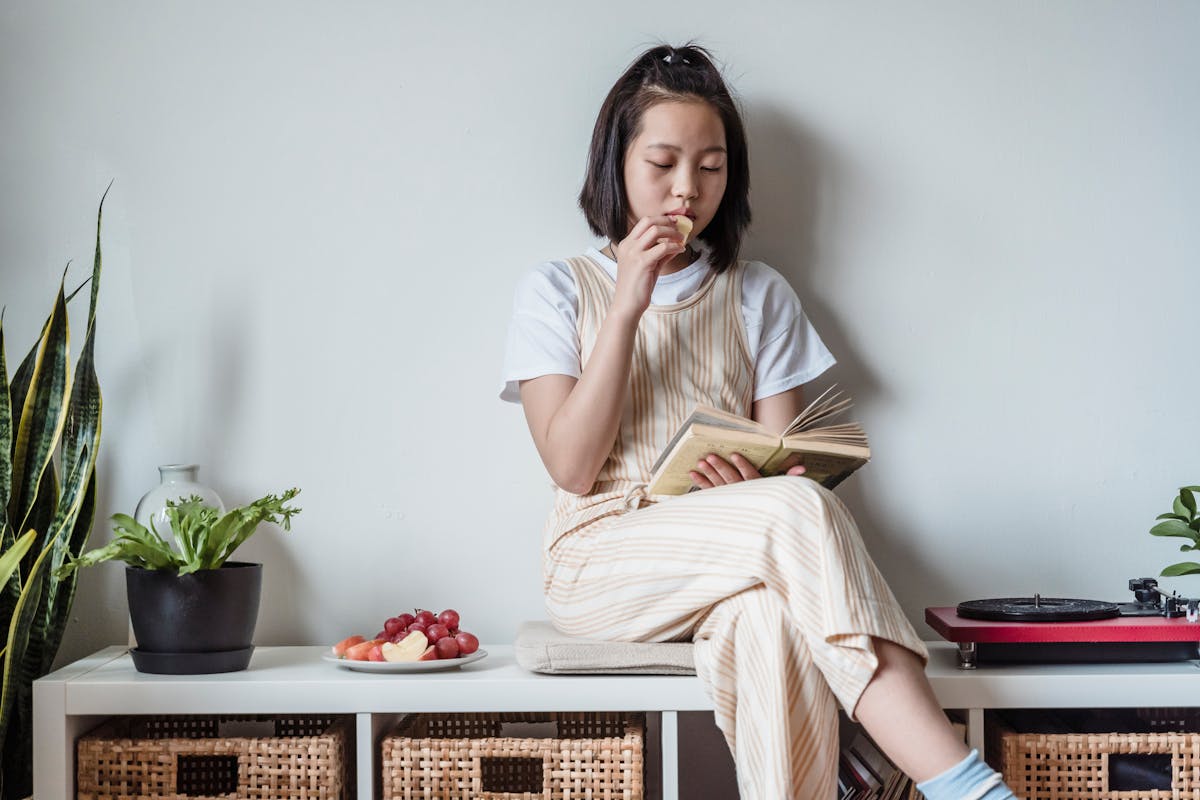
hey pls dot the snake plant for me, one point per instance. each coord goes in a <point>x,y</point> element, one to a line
<point>49,433</point>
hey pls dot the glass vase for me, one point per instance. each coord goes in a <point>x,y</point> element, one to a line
<point>177,482</point>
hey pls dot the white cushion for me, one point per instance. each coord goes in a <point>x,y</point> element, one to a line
<point>541,648</point>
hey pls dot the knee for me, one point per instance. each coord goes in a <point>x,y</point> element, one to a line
<point>805,505</point>
<point>788,496</point>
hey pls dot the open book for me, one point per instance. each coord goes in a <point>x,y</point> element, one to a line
<point>830,452</point>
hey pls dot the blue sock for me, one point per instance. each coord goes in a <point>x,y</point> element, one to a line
<point>969,779</point>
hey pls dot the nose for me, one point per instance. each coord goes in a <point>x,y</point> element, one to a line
<point>686,185</point>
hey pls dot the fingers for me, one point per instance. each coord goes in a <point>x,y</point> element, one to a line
<point>745,469</point>
<point>793,465</point>
<point>662,225</point>
<point>795,459</point>
<point>712,470</point>
<point>652,231</point>
<point>640,257</point>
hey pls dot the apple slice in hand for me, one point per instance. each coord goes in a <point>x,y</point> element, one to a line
<point>684,225</point>
<point>411,648</point>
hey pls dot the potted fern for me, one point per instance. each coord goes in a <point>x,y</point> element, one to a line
<point>49,437</point>
<point>1183,522</point>
<point>193,610</point>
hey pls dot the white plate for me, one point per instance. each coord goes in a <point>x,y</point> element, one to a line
<point>404,666</point>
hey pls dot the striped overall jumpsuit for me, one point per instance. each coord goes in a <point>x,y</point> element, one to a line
<point>769,577</point>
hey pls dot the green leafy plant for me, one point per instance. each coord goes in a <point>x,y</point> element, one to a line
<point>1183,522</point>
<point>204,538</point>
<point>49,435</point>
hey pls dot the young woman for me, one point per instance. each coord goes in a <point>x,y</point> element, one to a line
<point>608,352</point>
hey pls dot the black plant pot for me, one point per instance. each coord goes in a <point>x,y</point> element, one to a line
<point>197,623</point>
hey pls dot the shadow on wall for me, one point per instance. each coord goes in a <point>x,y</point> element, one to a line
<point>799,186</point>
<point>286,585</point>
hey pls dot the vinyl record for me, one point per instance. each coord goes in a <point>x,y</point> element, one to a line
<point>1037,609</point>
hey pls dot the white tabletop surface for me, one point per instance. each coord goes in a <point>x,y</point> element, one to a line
<point>296,679</point>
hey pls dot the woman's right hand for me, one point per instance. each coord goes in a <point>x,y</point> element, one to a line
<point>651,243</point>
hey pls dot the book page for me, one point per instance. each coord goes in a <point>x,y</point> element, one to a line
<point>707,415</point>
<point>827,469</point>
<point>827,405</point>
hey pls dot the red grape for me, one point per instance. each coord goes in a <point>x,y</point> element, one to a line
<point>406,620</point>
<point>449,618</point>
<point>447,648</point>
<point>427,617</point>
<point>393,625</point>
<point>417,626</point>
<point>467,643</point>
<point>437,631</point>
<point>382,635</point>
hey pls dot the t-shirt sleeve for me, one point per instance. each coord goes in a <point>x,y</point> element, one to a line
<point>788,351</point>
<point>542,335</point>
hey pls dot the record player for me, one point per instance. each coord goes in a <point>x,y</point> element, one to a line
<point>1039,630</point>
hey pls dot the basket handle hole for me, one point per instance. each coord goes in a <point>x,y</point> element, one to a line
<point>512,774</point>
<point>1138,772</point>
<point>206,775</point>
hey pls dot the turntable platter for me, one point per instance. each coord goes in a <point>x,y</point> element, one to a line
<point>1037,609</point>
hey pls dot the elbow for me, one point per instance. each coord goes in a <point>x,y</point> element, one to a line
<point>575,481</point>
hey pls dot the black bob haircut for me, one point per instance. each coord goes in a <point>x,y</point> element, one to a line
<point>665,74</point>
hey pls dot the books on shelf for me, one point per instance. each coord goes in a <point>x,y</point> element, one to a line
<point>865,773</point>
<point>830,452</point>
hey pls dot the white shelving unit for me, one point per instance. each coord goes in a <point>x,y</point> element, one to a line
<point>283,680</point>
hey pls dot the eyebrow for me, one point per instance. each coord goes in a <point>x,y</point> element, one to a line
<point>677,149</point>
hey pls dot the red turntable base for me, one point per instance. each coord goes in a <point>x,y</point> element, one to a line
<point>1118,639</point>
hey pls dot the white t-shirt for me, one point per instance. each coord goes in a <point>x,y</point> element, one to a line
<point>543,338</point>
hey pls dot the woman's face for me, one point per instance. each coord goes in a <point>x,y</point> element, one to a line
<point>677,163</point>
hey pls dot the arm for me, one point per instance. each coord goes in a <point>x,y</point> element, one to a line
<point>776,412</point>
<point>574,422</point>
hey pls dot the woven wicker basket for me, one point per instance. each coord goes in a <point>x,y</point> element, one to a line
<point>1072,766</point>
<point>486,757</point>
<point>184,758</point>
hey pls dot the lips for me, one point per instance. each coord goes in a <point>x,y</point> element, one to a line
<point>682,212</point>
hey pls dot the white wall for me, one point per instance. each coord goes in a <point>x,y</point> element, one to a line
<point>320,210</point>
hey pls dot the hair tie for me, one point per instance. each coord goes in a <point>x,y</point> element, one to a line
<point>671,56</point>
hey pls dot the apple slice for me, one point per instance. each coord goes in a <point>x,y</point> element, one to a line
<point>410,648</point>
<point>362,650</point>
<point>684,226</point>
<point>430,654</point>
<point>341,647</point>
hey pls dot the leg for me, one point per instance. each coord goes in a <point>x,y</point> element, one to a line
<point>775,709</point>
<point>657,573</point>
<point>900,712</point>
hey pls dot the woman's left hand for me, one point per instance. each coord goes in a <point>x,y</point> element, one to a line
<point>716,471</point>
